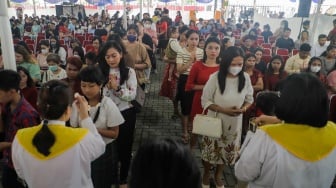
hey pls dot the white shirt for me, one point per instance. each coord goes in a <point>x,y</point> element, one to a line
<point>127,92</point>
<point>183,56</point>
<point>109,116</point>
<point>72,169</point>
<point>317,49</point>
<point>50,75</point>
<point>264,163</point>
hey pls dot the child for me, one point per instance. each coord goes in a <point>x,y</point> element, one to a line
<point>54,72</point>
<point>171,51</point>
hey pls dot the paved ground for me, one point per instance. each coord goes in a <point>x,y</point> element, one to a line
<point>155,120</point>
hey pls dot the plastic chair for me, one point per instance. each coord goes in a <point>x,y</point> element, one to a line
<point>282,52</point>
<point>31,47</point>
<point>295,51</point>
<point>24,38</point>
<point>30,41</point>
<point>266,58</point>
<point>89,48</point>
<point>81,38</point>
<point>267,51</point>
<point>266,45</point>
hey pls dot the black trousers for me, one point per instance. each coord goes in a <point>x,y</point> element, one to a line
<point>125,143</point>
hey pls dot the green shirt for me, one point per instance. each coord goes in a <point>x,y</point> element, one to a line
<point>33,69</point>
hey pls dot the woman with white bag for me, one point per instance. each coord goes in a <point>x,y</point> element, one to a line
<point>227,94</point>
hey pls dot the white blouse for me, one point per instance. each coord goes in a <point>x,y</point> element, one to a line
<point>50,75</point>
<point>127,92</point>
<point>71,169</point>
<point>109,116</point>
<point>183,56</point>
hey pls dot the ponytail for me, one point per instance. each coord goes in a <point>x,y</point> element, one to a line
<point>44,139</point>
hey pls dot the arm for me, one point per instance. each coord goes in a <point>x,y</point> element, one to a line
<point>35,72</point>
<point>190,85</point>
<point>110,132</point>
<point>181,66</point>
<point>289,66</point>
<point>128,89</point>
<point>259,85</point>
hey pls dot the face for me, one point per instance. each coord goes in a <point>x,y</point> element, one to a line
<point>212,50</point>
<point>303,54</point>
<point>250,62</point>
<point>248,42</point>
<point>276,64</point>
<point>6,96</point>
<point>132,32</point>
<point>95,44</point>
<point>193,40</point>
<point>322,41</point>
<point>24,78</point>
<point>201,44</point>
<point>72,71</point>
<point>52,63</point>
<point>316,63</point>
<point>332,53</point>
<point>18,58</point>
<point>44,47</point>
<point>287,33</point>
<point>90,89</point>
<point>237,62</point>
<point>258,55</point>
<point>113,57</point>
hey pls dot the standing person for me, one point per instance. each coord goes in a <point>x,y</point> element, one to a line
<point>184,61</point>
<point>274,73</point>
<point>54,70</point>
<point>52,145</point>
<point>107,118</point>
<point>332,32</point>
<point>285,41</point>
<point>199,75</point>
<point>267,33</point>
<point>121,88</point>
<point>304,38</point>
<point>73,66</point>
<point>178,18</point>
<point>228,93</point>
<point>27,87</point>
<point>306,156</point>
<point>328,59</point>
<point>314,67</point>
<point>16,114</point>
<point>320,46</point>
<point>168,86</point>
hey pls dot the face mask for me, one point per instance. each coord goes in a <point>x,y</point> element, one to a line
<point>235,70</point>
<point>44,51</point>
<point>53,68</point>
<point>131,38</point>
<point>148,26</point>
<point>229,33</point>
<point>53,45</point>
<point>99,25</point>
<point>315,69</point>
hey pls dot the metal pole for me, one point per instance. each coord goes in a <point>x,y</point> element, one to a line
<point>315,22</point>
<point>34,4</point>
<point>141,5</point>
<point>215,8</point>
<point>254,8</point>
<point>6,38</point>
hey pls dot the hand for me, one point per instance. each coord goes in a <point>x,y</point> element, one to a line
<point>233,111</point>
<point>112,84</point>
<point>264,119</point>
<point>82,106</point>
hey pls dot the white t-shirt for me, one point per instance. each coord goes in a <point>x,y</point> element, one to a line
<point>109,116</point>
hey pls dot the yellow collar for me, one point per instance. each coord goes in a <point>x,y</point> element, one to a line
<point>66,138</point>
<point>305,142</point>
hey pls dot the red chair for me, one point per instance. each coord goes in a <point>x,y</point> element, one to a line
<point>260,41</point>
<point>272,39</point>
<point>87,42</point>
<point>30,41</point>
<point>87,35</point>
<point>295,51</point>
<point>31,48</point>
<point>89,48</point>
<point>24,38</point>
<point>267,51</point>
<point>266,58</point>
<point>81,38</point>
<point>90,37</point>
<point>16,41</point>
<point>41,35</point>
<point>260,37</point>
<point>61,41</point>
<point>282,52</point>
<point>266,45</point>
<point>284,57</point>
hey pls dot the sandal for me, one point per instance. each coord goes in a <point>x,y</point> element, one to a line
<point>185,138</point>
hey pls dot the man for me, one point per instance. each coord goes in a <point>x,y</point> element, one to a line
<point>332,33</point>
<point>320,46</point>
<point>15,30</point>
<point>285,41</point>
<point>52,31</point>
<point>16,113</point>
<point>299,62</point>
<point>248,45</point>
<point>72,24</point>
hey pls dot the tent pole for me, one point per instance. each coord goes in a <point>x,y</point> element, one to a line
<point>6,38</point>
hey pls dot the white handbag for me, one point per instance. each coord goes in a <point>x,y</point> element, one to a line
<point>207,126</point>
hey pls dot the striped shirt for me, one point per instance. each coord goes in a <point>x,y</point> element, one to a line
<point>183,57</point>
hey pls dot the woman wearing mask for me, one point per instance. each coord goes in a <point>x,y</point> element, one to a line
<point>260,64</point>
<point>314,67</point>
<point>54,72</point>
<point>121,88</point>
<point>274,73</point>
<point>52,145</point>
<point>227,95</point>
<point>56,48</point>
<point>24,59</point>
<point>42,56</point>
<point>199,75</point>
<point>137,56</point>
<point>184,61</point>
<point>107,118</point>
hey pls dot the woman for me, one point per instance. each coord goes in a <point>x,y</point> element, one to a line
<point>314,67</point>
<point>274,73</point>
<point>121,88</point>
<point>227,95</point>
<point>51,145</point>
<point>328,59</point>
<point>184,62</point>
<point>97,44</point>
<point>304,38</point>
<point>54,72</point>
<point>173,165</point>
<point>73,66</point>
<point>27,86</point>
<point>42,56</point>
<point>260,64</point>
<point>78,52</point>
<point>192,25</point>
<point>137,56</point>
<point>24,59</point>
<point>106,117</point>
<point>306,156</point>
<point>56,48</point>
<point>199,75</point>
<point>178,18</point>
<point>35,29</point>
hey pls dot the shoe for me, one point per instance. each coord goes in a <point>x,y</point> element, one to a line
<point>220,186</point>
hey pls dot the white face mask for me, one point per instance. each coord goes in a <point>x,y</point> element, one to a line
<point>315,69</point>
<point>148,26</point>
<point>44,51</point>
<point>235,70</point>
<point>229,33</point>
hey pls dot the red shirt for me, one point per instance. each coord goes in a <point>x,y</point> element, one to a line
<point>271,80</point>
<point>30,94</point>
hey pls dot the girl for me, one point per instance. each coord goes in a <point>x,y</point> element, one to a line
<point>260,64</point>
<point>314,67</point>
<point>106,117</point>
<point>274,73</point>
<point>184,61</point>
<point>56,48</point>
<point>52,145</point>
<point>73,66</point>
<point>54,72</point>
<point>121,88</point>
<point>27,86</point>
<point>199,75</point>
<point>328,59</point>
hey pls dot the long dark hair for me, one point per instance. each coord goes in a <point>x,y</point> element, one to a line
<point>207,42</point>
<point>53,100</point>
<point>225,63</point>
<point>270,69</point>
<point>30,82</point>
<point>311,62</point>
<point>57,46</point>
<point>330,47</point>
<point>105,68</point>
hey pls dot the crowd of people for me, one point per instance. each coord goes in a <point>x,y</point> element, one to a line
<point>70,105</point>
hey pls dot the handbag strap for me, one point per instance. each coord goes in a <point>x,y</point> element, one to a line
<point>203,112</point>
